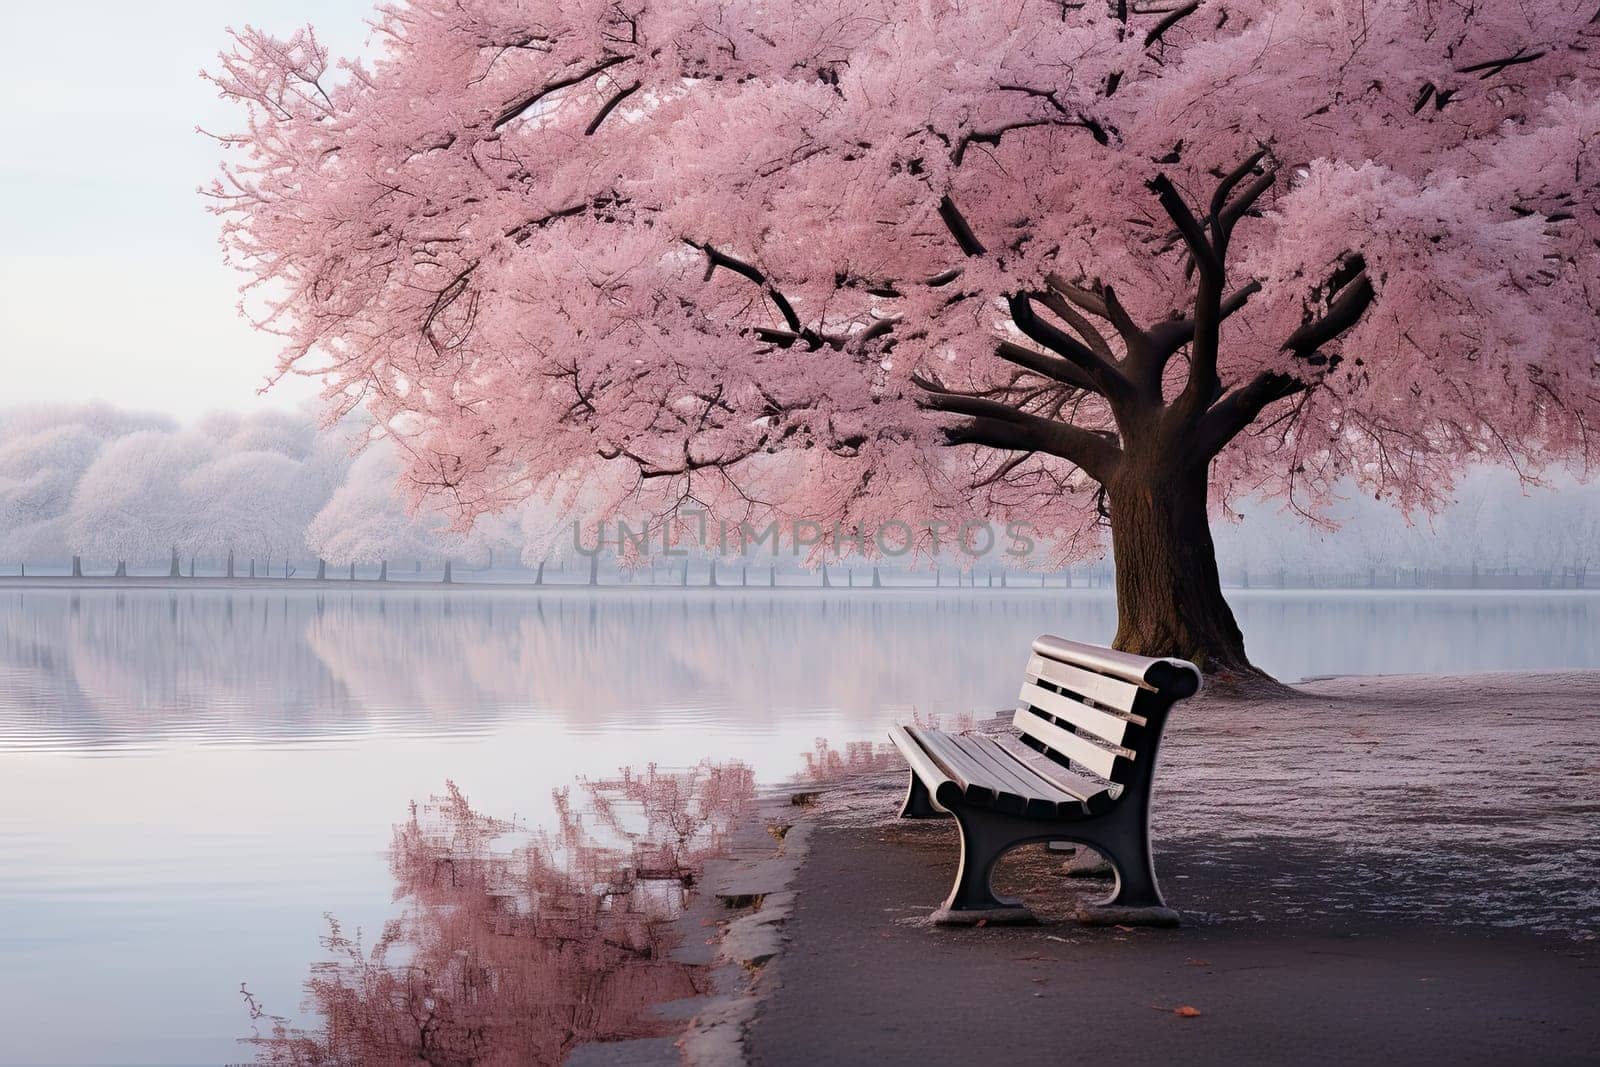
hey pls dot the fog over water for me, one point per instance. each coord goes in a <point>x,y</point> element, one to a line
<point>189,780</point>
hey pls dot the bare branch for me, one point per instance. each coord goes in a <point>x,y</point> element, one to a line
<point>1344,311</point>
<point>1086,299</point>
<point>1062,308</point>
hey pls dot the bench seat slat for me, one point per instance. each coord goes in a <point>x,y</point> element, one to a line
<point>1108,727</point>
<point>1092,793</point>
<point>1040,798</point>
<point>987,774</point>
<point>925,768</point>
<point>1107,763</point>
<point>1108,692</point>
<point>973,778</point>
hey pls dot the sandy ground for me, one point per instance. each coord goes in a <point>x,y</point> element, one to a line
<point>1399,867</point>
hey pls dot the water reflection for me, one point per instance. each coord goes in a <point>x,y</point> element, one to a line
<point>104,668</point>
<point>516,954</point>
<point>254,748</point>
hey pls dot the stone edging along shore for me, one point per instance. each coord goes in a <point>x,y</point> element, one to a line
<point>747,896</point>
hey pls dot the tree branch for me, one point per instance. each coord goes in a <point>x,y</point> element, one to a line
<point>1169,336</point>
<point>1203,385</point>
<point>1095,453</point>
<point>520,105</point>
<point>1229,416</point>
<point>1108,380</point>
<point>610,106</point>
<point>716,258</point>
<point>959,228</point>
<point>1344,311</point>
<point>1189,228</point>
<point>1086,299</point>
<point>1062,308</point>
<point>1175,16</point>
<point>1045,365</point>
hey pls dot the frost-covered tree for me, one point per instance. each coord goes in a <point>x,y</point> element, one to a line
<point>44,451</point>
<point>272,472</point>
<point>1055,262</point>
<point>365,521</point>
<point>252,504</point>
<point>135,503</point>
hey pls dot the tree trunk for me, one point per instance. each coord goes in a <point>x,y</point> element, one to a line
<point>230,563</point>
<point>352,572</point>
<point>538,575</point>
<point>877,583</point>
<point>446,578</point>
<point>322,569</point>
<point>1169,593</point>
<point>122,569</point>
<point>174,571</point>
<point>383,571</point>
<point>594,567</point>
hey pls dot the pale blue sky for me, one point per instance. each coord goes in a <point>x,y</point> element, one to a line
<point>111,281</point>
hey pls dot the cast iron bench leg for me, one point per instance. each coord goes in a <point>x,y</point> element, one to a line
<point>985,837</point>
<point>1137,900</point>
<point>919,803</point>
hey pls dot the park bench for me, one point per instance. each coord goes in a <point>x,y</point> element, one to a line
<point>1079,770</point>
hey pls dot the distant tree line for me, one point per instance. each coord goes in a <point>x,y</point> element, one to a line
<point>270,492</point>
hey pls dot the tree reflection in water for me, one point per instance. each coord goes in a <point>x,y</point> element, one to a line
<point>514,953</point>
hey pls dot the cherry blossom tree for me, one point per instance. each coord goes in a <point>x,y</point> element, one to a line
<point>1081,265</point>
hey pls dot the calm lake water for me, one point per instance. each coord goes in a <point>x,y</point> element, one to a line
<point>190,781</point>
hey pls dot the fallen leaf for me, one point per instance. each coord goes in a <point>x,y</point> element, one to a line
<point>1186,1011</point>
<point>1124,929</point>
<point>1192,962</point>
<point>983,922</point>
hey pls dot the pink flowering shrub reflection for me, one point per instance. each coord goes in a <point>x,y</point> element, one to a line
<point>514,953</point>
<point>825,763</point>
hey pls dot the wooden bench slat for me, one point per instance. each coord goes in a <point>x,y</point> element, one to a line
<point>1090,792</point>
<point>1108,692</point>
<point>1174,679</point>
<point>1102,724</point>
<point>1040,798</point>
<point>971,776</point>
<point>926,769</point>
<point>1106,763</point>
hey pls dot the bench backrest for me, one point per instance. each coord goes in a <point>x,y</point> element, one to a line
<point>1097,709</point>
